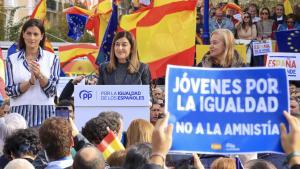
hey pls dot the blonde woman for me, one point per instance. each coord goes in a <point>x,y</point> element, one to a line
<point>139,131</point>
<point>221,51</point>
<point>224,163</point>
<point>124,66</point>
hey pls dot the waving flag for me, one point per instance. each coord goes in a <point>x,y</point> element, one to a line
<point>76,18</point>
<point>110,144</point>
<point>169,27</point>
<point>232,5</point>
<point>76,25</point>
<point>98,22</point>
<point>77,10</point>
<point>129,22</point>
<point>288,41</point>
<point>104,51</point>
<point>70,52</point>
<point>40,11</point>
<point>287,7</point>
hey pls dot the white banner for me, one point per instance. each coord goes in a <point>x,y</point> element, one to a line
<point>290,61</point>
<point>131,101</point>
<point>262,47</point>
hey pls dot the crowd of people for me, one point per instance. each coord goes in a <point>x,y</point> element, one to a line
<point>32,137</point>
<point>250,22</point>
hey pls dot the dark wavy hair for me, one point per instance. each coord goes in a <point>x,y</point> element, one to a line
<point>56,137</point>
<point>96,128</point>
<point>22,142</point>
<point>266,9</point>
<point>30,23</point>
<point>259,164</point>
<point>250,23</point>
<point>137,156</point>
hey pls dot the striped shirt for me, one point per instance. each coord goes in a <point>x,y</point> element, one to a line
<point>37,103</point>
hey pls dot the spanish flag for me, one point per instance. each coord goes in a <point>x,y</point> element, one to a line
<point>48,46</point>
<point>98,21</point>
<point>287,7</point>
<point>70,52</point>
<point>110,144</point>
<point>232,5</point>
<point>77,10</point>
<point>40,11</point>
<point>129,22</point>
<point>165,34</point>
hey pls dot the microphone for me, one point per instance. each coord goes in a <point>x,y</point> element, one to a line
<point>140,76</point>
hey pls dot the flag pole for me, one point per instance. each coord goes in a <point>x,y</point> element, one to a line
<point>205,35</point>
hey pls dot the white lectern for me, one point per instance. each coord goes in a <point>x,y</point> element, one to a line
<point>131,101</point>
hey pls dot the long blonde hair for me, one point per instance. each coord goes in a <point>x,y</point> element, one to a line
<point>223,163</point>
<point>134,63</point>
<point>139,131</point>
<point>228,40</point>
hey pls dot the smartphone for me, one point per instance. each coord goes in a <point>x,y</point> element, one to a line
<point>62,111</point>
<point>161,116</point>
<point>180,161</point>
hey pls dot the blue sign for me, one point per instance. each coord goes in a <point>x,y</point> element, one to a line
<point>236,110</point>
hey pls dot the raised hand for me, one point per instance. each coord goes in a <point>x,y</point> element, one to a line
<point>290,142</point>
<point>77,79</point>
<point>162,136</point>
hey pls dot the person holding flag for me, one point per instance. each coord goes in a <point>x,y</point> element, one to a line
<point>32,75</point>
<point>124,66</point>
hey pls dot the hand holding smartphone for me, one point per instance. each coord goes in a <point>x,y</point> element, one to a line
<point>63,112</point>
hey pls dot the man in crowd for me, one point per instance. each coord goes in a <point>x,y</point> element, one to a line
<point>19,164</point>
<point>253,10</point>
<point>219,21</point>
<point>155,111</point>
<point>279,17</point>
<point>56,138</point>
<point>89,158</point>
<point>294,106</point>
<point>96,129</point>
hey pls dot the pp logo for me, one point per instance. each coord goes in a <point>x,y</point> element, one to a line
<point>85,95</point>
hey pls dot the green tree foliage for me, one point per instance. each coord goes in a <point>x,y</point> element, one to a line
<point>2,23</point>
<point>13,29</point>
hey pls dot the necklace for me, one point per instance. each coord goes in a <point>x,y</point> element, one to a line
<point>31,57</point>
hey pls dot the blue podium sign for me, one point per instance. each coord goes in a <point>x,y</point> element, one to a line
<point>236,110</point>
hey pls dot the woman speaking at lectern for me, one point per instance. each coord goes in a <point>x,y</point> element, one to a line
<point>124,66</point>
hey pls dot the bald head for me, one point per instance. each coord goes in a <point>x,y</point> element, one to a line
<point>89,158</point>
<point>19,164</point>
